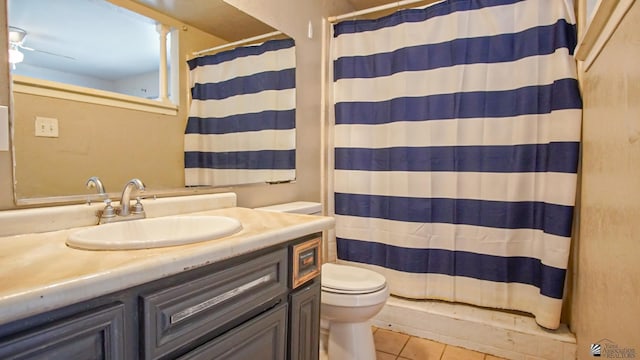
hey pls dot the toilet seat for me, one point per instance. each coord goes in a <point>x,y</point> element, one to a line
<point>344,279</point>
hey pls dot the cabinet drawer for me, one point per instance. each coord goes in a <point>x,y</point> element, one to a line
<point>95,335</point>
<point>261,338</point>
<point>177,317</point>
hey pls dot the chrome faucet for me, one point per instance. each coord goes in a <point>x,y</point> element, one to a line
<point>126,198</point>
<point>94,182</point>
<point>124,211</point>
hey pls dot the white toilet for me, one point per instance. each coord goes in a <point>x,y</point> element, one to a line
<point>351,296</point>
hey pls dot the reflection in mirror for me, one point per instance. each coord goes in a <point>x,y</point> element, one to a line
<point>58,41</point>
<point>241,126</point>
<point>112,141</point>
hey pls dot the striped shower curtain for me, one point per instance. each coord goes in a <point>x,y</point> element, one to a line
<point>241,125</point>
<point>456,150</point>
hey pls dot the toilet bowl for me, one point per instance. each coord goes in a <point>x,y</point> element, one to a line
<point>350,297</point>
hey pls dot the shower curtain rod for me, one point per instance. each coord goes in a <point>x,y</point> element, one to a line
<point>396,4</point>
<point>239,42</point>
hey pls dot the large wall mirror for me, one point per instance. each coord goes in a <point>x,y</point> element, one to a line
<point>62,135</point>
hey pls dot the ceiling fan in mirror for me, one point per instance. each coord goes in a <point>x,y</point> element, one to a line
<point>16,42</point>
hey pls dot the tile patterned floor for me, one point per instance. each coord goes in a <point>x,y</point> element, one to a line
<point>397,346</point>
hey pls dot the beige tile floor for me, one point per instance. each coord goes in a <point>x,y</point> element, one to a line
<point>397,346</point>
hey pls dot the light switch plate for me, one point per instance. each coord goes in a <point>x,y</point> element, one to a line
<point>47,127</point>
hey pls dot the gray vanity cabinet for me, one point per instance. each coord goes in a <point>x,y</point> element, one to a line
<point>305,322</point>
<point>241,308</point>
<point>189,311</point>
<point>98,334</point>
<point>262,338</point>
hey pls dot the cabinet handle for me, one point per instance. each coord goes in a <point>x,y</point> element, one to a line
<point>192,310</point>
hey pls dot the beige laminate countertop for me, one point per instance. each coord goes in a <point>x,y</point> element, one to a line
<point>38,272</point>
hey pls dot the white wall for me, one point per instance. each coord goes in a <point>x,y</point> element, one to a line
<point>61,76</point>
<point>142,85</point>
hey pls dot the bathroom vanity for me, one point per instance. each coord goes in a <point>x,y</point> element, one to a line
<point>252,295</point>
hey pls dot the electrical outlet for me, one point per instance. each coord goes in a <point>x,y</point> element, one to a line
<point>47,127</point>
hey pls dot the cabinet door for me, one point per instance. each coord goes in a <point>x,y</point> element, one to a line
<point>263,338</point>
<point>95,335</point>
<point>196,310</point>
<point>305,322</point>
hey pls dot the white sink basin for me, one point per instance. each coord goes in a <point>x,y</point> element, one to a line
<point>154,232</point>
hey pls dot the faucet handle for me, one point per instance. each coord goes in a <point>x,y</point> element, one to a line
<point>108,211</point>
<point>137,207</point>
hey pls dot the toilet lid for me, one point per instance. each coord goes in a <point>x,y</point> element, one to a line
<point>350,279</point>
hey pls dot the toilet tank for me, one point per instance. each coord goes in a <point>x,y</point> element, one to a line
<point>298,207</point>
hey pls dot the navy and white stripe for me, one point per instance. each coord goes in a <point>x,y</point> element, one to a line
<point>457,140</point>
<point>241,126</point>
